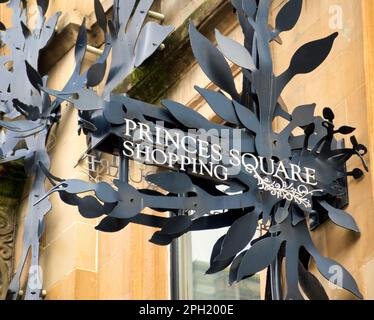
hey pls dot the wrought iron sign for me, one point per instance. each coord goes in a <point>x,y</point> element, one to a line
<point>243,168</point>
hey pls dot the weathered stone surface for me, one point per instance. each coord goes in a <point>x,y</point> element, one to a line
<point>12,179</point>
<point>151,81</point>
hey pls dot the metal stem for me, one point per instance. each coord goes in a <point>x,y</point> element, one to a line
<point>275,279</point>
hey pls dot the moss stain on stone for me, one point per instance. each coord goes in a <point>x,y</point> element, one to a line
<point>150,82</point>
<point>12,180</point>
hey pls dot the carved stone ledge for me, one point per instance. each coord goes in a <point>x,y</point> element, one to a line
<point>154,78</point>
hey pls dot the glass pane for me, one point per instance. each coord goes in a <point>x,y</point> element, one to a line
<point>216,287</point>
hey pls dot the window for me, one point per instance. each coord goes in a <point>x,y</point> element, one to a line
<point>193,254</point>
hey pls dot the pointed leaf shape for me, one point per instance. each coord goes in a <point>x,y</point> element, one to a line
<point>311,55</point>
<point>34,77</point>
<point>151,36</point>
<point>96,74</point>
<point>81,44</point>
<point>303,115</point>
<point>238,236</point>
<point>288,15</point>
<point>247,117</point>
<point>235,52</point>
<point>346,130</point>
<point>233,275</point>
<point>340,217</point>
<point>90,207</point>
<point>176,225</point>
<point>217,266</point>
<point>220,104</point>
<point>110,224</point>
<point>43,5</point>
<point>25,30</point>
<point>188,117</point>
<point>100,15</point>
<point>261,255</point>
<point>174,182</point>
<point>161,239</point>
<point>311,285</point>
<point>212,62</point>
<point>306,59</point>
<point>326,266</point>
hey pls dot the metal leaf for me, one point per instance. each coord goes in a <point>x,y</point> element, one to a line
<point>346,130</point>
<point>25,30</point>
<point>188,116</point>
<point>259,256</point>
<point>218,265</point>
<point>212,62</point>
<point>238,236</point>
<point>176,225</point>
<point>90,207</point>
<point>100,15</point>
<point>175,182</point>
<point>324,267</point>
<point>220,104</point>
<point>288,15</point>
<point>233,274</point>
<point>109,224</point>
<point>303,115</point>
<point>81,44</point>
<point>235,52</point>
<point>34,77</point>
<point>247,117</point>
<point>96,74</point>
<point>150,38</point>
<point>340,217</point>
<point>161,239</point>
<point>306,59</point>
<point>311,285</point>
<point>43,5</point>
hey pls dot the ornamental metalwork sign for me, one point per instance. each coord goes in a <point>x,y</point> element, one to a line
<point>238,173</point>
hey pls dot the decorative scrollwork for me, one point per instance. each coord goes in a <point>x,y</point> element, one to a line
<point>282,190</point>
<point>6,250</point>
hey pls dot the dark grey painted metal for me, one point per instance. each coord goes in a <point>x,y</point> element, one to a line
<point>21,94</point>
<point>102,119</point>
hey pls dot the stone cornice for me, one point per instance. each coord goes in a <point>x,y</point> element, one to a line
<point>151,81</point>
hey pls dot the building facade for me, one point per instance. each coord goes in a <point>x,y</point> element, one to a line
<point>78,262</point>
